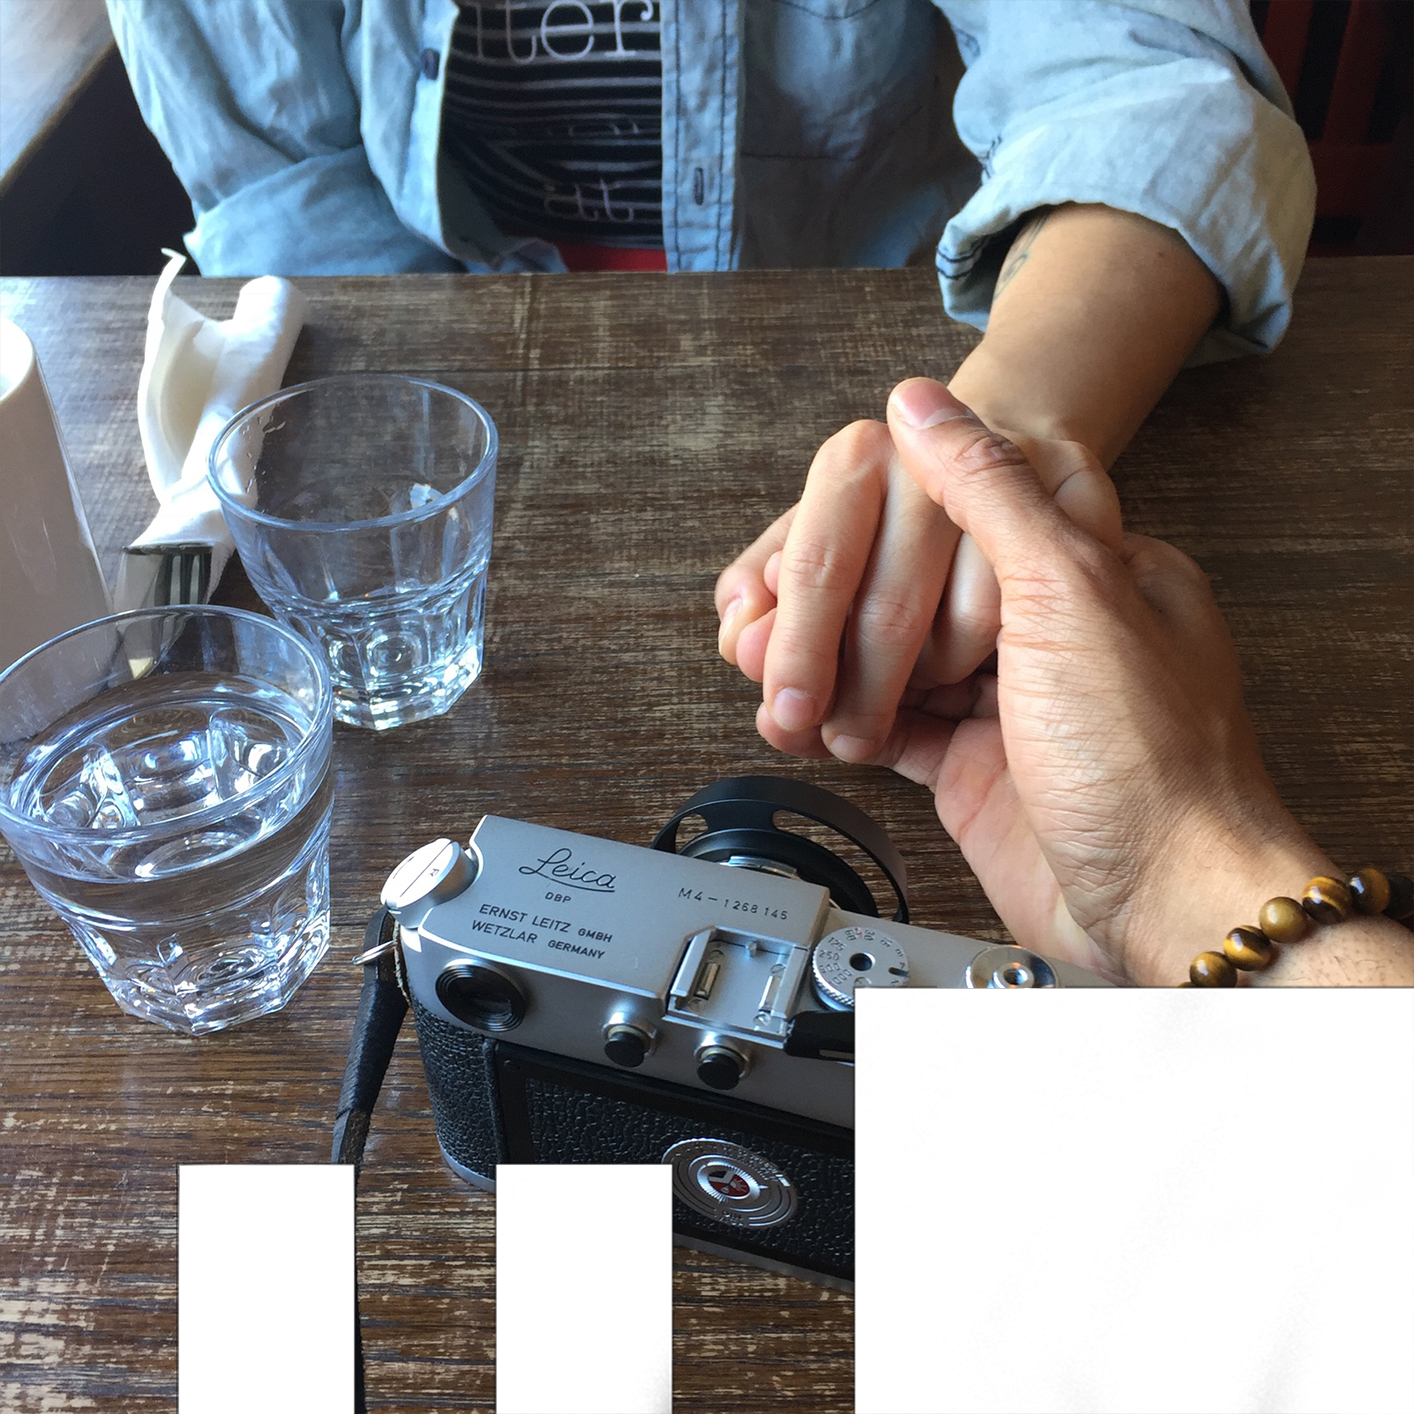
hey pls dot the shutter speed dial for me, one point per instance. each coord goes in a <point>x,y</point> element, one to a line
<point>856,957</point>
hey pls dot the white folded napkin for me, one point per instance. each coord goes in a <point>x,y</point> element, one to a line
<point>197,373</point>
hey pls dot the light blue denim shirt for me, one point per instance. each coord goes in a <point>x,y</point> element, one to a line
<point>795,133</point>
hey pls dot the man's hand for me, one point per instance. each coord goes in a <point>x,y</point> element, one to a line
<point>1106,785</point>
<point>865,591</point>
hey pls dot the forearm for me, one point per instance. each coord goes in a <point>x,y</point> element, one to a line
<point>1095,312</point>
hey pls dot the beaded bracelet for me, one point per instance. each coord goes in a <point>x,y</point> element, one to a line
<point>1287,920</point>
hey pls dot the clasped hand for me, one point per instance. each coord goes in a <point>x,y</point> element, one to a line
<point>865,592</point>
<point>1109,755</point>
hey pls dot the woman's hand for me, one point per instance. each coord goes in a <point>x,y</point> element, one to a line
<point>865,589</point>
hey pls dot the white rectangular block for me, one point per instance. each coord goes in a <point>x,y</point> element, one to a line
<point>584,1289</point>
<point>1146,1202</point>
<point>265,1288</point>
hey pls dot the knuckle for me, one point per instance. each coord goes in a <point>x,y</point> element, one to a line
<point>801,663</point>
<point>863,440</point>
<point>1160,557</point>
<point>855,455</point>
<point>813,564</point>
<point>1187,566</point>
<point>981,450</point>
<point>891,621</point>
<point>971,624</point>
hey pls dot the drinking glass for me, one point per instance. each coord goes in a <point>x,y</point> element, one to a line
<point>361,505</point>
<point>165,782</point>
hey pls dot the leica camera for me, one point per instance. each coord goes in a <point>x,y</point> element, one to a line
<point>583,1001</point>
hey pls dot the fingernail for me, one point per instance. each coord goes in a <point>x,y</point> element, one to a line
<point>922,404</point>
<point>793,710</point>
<point>728,618</point>
<point>853,749</point>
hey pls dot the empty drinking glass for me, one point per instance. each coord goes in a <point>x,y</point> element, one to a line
<point>361,505</point>
<point>165,782</point>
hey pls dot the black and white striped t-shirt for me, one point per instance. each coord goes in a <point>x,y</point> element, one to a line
<point>553,114</point>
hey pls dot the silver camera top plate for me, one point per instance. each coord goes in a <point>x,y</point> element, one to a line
<point>685,969</point>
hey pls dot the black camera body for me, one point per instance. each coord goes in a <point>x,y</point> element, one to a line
<point>583,1001</point>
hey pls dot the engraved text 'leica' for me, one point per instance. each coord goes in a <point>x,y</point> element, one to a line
<point>557,866</point>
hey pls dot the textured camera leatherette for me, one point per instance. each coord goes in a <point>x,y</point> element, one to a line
<point>462,1088</point>
<point>492,1102</point>
<point>570,1126</point>
<point>575,1115</point>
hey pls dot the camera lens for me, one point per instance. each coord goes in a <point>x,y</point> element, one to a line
<point>481,996</point>
<point>741,828</point>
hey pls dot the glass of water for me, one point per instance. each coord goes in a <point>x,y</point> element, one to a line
<point>165,782</point>
<point>361,506</point>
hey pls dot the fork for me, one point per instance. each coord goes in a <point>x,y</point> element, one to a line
<point>183,572</point>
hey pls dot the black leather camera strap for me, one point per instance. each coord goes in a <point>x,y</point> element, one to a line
<point>382,1005</point>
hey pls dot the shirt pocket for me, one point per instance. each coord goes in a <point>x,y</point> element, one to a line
<point>833,79</point>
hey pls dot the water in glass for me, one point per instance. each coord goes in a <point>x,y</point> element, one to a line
<point>215,916</point>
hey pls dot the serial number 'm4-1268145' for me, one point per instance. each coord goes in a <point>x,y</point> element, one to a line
<point>740,905</point>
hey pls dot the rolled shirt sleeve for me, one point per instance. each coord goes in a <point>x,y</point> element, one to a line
<point>1169,110</point>
<point>253,104</point>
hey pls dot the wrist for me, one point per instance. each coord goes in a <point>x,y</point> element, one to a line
<point>1223,886</point>
<point>1208,870</point>
<point>1007,401</point>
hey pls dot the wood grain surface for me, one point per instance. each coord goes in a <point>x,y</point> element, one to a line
<point>650,427</point>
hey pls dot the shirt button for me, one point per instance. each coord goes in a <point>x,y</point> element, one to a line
<point>431,62</point>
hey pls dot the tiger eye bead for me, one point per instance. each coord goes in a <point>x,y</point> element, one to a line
<point>1369,890</point>
<point>1327,900</point>
<point>1248,948</point>
<point>1283,920</point>
<point>1212,969</point>
<point>1401,898</point>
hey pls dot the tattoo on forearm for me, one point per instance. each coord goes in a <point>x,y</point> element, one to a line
<point>1020,250</point>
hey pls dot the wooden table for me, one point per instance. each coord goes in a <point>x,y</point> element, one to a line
<point>649,427</point>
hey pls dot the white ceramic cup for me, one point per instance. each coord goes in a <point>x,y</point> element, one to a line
<point>50,580</point>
